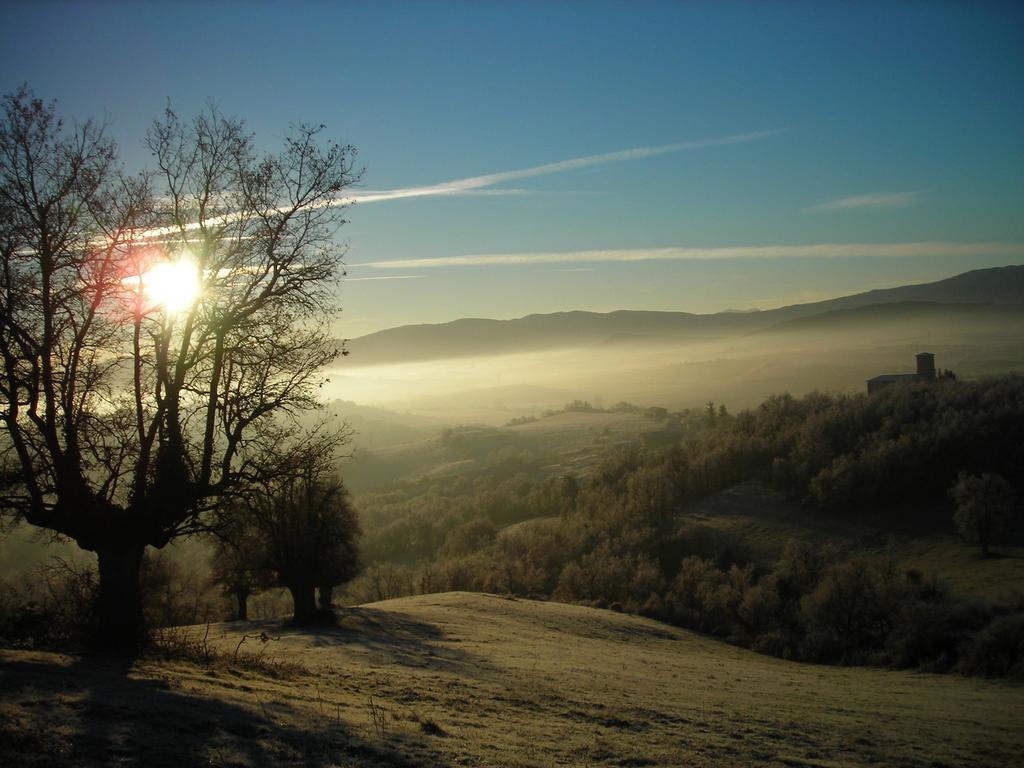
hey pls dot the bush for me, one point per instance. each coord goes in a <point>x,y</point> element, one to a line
<point>772,644</point>
<point>57,609</point>
<point>847,608</point>
<point>822,645</point>
<point>998,651</point>
<point>173,595</point>
<point>761,609</point>
<point>924,636</point>
<point>984,507</point>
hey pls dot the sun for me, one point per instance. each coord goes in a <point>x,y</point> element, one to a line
<point>174,285</point>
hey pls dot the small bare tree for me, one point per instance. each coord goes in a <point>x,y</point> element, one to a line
<point>984,507</point>
<point>126,417</point>
<point>304,528</point>
<point>239,563</point>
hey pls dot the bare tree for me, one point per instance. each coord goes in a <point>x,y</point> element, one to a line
<point>984,507</point>
<point>305,528</point>
<point>127,414</point>
<point>239,562</point>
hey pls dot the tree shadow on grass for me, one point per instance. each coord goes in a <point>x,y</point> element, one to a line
<point>393,637</point>
<point>98,712</point>
<point>997,555</point>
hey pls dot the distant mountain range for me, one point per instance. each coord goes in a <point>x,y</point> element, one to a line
<point>982,294</point>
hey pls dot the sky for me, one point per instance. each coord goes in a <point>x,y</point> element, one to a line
<point>539,157</point>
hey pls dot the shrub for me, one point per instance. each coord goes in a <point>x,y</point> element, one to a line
<point>984,507</point>
<point>57,609</point>
<point>847,608</point>
<point>998,650</point>
<point>822,644</point>
<point>172,595</point>
<point>772,644</point>
<point>924,637</point>
<point>761,608</point>
<point>693,592</point>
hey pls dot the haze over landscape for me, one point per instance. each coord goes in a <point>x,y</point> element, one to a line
<point>494,370</point>
<point>512,384</point>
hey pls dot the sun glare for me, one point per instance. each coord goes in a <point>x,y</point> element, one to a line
<point>173,286</point>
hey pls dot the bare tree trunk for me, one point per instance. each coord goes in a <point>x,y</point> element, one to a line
<point>304,602</point>
<point>242,596</point>
<point>326,598</point>
<point>121,627</point>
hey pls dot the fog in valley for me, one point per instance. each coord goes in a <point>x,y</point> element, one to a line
<point>833,354</point>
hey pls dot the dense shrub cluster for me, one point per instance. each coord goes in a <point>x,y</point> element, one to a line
<point>54,606</point>
<point>620,536</point>
<point>905,444</point>
<point>856,611</point>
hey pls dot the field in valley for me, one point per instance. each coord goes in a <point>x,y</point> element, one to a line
<point>481,680</point>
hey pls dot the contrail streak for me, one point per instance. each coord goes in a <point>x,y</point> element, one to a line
<point>876,200</point>
<point>470,184</point>
<point>818,250</point>
<point>561,166</point>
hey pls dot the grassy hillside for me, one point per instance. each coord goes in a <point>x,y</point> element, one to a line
<point>478,680</point>
<point>762,521</point>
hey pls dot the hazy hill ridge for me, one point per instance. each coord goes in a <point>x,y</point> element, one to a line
<point>893,313</point>
<point>479,336</point>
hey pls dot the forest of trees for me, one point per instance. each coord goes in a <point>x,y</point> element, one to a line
<point>620,535</point>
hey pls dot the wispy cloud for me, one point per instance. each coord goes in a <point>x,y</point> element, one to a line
<point>479,184</point>
<point>382,195</point>
<point>496,192</point>
<point>819,251</point>
<point>875,200</point>
<point>383,277</point>
<point>489,180</point>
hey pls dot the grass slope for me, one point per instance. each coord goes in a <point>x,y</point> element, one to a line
<point>761,521</point>
<point>478,680</point>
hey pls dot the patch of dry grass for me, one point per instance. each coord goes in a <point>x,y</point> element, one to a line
<point>478,680</point>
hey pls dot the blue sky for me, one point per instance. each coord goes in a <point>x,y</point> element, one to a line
<point>872,123</point>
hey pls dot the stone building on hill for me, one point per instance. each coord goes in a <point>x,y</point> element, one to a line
<point>925,372</point>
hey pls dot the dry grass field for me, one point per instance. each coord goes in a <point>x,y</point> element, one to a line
<point>481,680</point>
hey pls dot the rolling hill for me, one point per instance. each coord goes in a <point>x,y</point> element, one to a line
<point>476,336</point>
<point>479,680</point>
<point>870,317</point>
